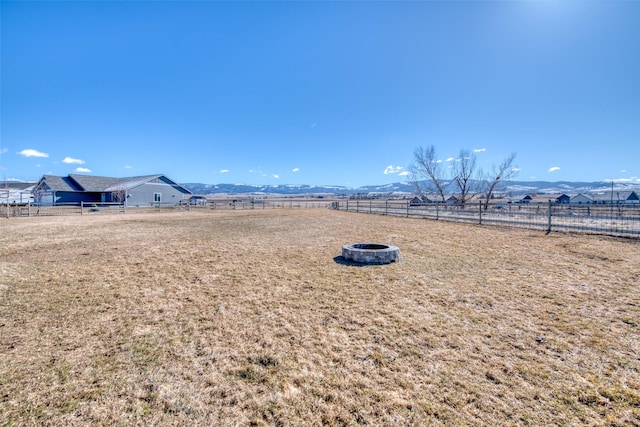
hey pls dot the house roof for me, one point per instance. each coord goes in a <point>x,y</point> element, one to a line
<point>16,185</point>
<point>94,183</point>
<point>586,196</point>
<point>615,196</point>
<point>99,184</point>
<point>57,183</point>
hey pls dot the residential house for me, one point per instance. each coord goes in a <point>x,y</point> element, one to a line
<point>133,191</point>
<point>582,199</point>
<point>616,197</point>
<point>521,199</point>
<point>16,193</point>
<point>420,201</point>
<point>197,200</point>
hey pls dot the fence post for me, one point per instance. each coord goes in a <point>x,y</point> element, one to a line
<point>357,206</point>
<point>81,207</point>
<point>408,209</point>
<point>437,210</point>
<point>386,207</point>
<point>480,212</point>
<point>549,219</point>
<point>29,208</point>
<point>370,201</point>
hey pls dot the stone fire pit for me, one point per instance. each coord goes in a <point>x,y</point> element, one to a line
<point>371,253</point>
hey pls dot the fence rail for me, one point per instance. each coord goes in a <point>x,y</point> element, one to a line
<point>613,220</point>
<point>30,209</point>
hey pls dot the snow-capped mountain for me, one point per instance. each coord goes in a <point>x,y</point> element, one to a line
<point>513,187</point>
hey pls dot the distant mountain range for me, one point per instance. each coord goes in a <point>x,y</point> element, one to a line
<point>513,188</point>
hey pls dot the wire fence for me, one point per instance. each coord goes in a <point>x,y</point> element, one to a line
<point>31,209</point>
<point>613,220</point>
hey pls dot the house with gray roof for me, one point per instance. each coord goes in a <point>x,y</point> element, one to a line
<point>615,197</point>
<point>133,191</point>
<point>16,193</point>
<point>582,199</point>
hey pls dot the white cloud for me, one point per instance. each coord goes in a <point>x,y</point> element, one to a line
<point>71,160</point>
<point>438,161</point>
<point>479,150</point>
<point>295,170</point>
<point>83,170</point>
<point>128,167</point>
<point>515,169</point>
<point>392,169</point>
<point>224,170</point>
<point>404,173</point>
<point>623,170</point>
<point>554,168</point>
<point>276,176</point>
<point>29,152</point>
<point>450,159</point>
<point>4,150</point>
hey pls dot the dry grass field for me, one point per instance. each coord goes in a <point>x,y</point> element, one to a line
<point>251,318</point>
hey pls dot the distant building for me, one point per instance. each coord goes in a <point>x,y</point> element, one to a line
<point>616,197</point>
<point>197,200</point>
<point>420,201</point>
<point>521,199</point>
<point>582,199</point>
<point>16,193</point>
<point>133,191</point>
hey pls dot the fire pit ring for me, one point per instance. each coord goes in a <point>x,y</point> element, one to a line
<point>371,253</point>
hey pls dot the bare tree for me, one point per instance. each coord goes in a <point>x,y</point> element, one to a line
<point>119,195</point>
<point>428,168</point>
<point>463,172</point>
<point>500,173</point>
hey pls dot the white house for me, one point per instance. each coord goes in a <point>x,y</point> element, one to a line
<point>582,199</point>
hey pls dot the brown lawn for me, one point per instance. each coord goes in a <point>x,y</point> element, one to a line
<point>249,317</point>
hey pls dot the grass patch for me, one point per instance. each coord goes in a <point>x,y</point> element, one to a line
<point>246,317</point>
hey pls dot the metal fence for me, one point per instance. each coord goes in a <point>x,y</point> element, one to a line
<point>30,209</point>
<point>266,204</point>
<point>613,220</point>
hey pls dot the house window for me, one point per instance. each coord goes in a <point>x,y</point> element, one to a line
<point>156,197</point>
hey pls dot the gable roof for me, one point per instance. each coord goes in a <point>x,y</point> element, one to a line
<point>16,185</point>
<point>94,183</point>
<point>615,196</point>
<point>100,184</point>
<point>582,195</point>
<point>57,183</point>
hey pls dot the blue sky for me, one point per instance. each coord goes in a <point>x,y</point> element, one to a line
<point>320,93</point>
